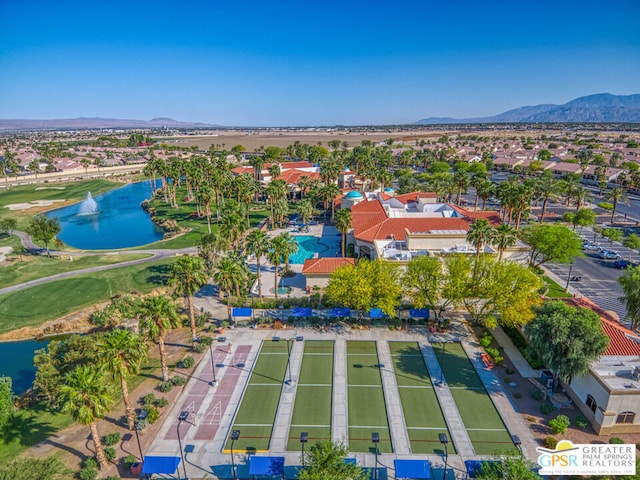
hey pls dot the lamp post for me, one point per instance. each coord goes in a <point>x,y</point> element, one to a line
<point>181,418</point>
<point>142,416</point>
<point>213,367</point>
<point>289,340</point>
<point>375,439</point>
<point>517,442</point>
<point>444,440</point>
<point>235,435</point>
<point>304,437</point>
<point>566,288</point>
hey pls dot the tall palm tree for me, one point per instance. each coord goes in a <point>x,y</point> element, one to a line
<point>288,246</point>
<point>229,274</point>
<point>305,209</point>
<point>616,195</point>
<point>158,315</point>
<point>278,246</point>
<point>480,233</point>
<point>258,244</point>
<point>546,188</point>
<point>343,224</point>
<point>122,352</point>
<point>581,196</point>
<point>87,397</point>
<point>504,236</point>
<point>188,274</point>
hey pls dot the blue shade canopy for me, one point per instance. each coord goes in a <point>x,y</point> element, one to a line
<point>340,312</point>
<point>241,312</point>
<point>350,461</point>
<point>160,465</point>
<point>474,467</point>
<point>301,312</point>
<point>266,465</point>
<point>377,313</point>
<point>413,469</point>
<point>419,312</point>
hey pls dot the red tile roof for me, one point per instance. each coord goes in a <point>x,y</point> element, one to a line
<point>621,341</point>
<point>325,265</point>
<point>293,176</point>
<point>241,170</point>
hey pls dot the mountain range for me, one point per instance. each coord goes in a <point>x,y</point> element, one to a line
<point>598,108</point>
<point>96,123</point>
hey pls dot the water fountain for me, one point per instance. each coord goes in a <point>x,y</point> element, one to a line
<point>88,206</point>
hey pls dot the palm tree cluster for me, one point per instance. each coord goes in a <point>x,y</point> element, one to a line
<point>482,233</point>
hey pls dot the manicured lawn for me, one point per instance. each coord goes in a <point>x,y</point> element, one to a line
<point>422,413</point>
<point>555,290</point>
<point>366,405</point>
<point>486,429</point>
<point>33,267</point>
<point>36,305</point>
<point>314,394</point>
<point>257,411</point>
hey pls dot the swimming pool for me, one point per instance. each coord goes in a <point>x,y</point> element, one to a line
<point>308,246</point>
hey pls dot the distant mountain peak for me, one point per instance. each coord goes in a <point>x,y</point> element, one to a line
<point>597,108</point>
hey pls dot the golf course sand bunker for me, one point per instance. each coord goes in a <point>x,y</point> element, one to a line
<point>33,204</point>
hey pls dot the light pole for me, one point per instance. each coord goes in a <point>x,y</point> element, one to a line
<point>444,440</point>
<point>142,416</point>
<point>304,436</point>
<point>566,288</point>
<point>375,439</point>
<point>235,435</point>
<point>289,340</point>
<point>517,442</point>
<point>181,418</point>
<point>213,367</point>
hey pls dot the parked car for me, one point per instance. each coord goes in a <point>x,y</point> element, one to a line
<point>609,255</point>
<point>594,247</point>
<point>622,264</point>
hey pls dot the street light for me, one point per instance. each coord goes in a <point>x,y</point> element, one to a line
<point>213,366</point>
<point>289,340</point>
<point>182,418</point>
<point>517,442</point>
<point>444,440</point>
<point>566,288</point>
<point>375,439</point>
<point>304,437</point>
<point>142,416</point>
<point>235,435</point>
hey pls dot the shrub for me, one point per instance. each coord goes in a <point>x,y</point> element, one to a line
<point>110,453</point>
<point>88,473</point>
<point>149,399</point>
<point>559,424</point>
<point>90,462</point>
<point>206,341</point>
<point>538,395</point>
<point>546,408</point>
<point>486,340</point>
<point>550,442</point>
<point>199,347</point>
<point>178,380</point>
<point>616,441</point>
<point>111,439</point>
<point>152,415</point>
<point>161,402</point>
<point>164,387</point>
<point>580,421</point>
<point>187,362</point>
<point>493,352</point>
<point>128,461</point>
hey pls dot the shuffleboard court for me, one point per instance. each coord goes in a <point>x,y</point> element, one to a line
<point>422,413</point>
<point>367,409</point>
<point>314,393</point>
<point>484,425</point>
<point>260,400</point>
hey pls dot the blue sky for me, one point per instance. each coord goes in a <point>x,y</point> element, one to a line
<point>310,62</point>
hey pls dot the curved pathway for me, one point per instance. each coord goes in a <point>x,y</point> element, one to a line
<point>156,254</point>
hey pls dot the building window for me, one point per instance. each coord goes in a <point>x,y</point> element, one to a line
<point>591,403</point>
<point>626,417</point>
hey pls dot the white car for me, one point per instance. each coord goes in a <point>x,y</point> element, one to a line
<point>594,247</point>
<point>609,255</point>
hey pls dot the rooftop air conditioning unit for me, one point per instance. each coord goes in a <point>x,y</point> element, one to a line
<point>635,373</point>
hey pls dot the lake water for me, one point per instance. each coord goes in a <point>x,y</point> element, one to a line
<point>16,361</point>
<point>120,221</point>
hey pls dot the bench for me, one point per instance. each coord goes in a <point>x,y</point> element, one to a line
<point>486,359</point>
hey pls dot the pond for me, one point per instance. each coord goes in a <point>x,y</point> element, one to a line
<point>117,222</point>
<point>20,368</point>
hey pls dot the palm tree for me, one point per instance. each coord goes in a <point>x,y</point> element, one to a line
<point>580,195</point>
<point>287,245</point>
<point>87,397</point>
<point>480,233</point>
<point>616,195</point>
<point>258,244</point>
<point>122,352</point>
<point>188,274</point>
<point>275,257</point>
<point>504,236</point>
<point>343,224</point>
<point>305,209</point>
<point>157,316</point>
<point>229,274</point>
<point>546,188</point>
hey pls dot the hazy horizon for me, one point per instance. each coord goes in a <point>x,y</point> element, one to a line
<point>294,63</point>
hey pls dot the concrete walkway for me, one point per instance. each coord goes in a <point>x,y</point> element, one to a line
<point>280,434</point>
<point>340,412</point>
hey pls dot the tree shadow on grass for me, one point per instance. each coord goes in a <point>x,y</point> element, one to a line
<point>27,430</point>
<point>159,274</point>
